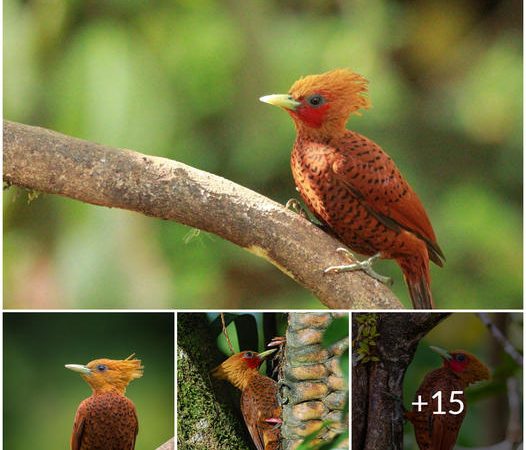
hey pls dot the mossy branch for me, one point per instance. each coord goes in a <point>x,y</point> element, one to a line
<point>46,161</point>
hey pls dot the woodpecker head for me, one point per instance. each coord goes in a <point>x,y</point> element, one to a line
<point>465,365</point>
<point>104,375</point>
<point>240,367</point>
<point>323,103</point>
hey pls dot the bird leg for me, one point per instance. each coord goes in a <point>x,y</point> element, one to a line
<point>277,341</point>
<point>295,206</point>
<point>276,421</point>
<point>366,266</point>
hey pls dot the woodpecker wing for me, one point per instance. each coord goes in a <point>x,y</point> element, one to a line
<point>372,177</point>
<point>249,408</point>
<point>259,403</point>
<point>78,427</point>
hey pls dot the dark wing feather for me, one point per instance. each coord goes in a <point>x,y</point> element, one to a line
<point>251,417</point>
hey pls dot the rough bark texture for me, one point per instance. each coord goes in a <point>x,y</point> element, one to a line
<point>46,161</point>
<point>377,396</point>
<point>206,416</point>
<point>313,386</point>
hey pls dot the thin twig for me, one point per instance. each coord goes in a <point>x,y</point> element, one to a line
<point>226,333</point>
<point>508,347</point>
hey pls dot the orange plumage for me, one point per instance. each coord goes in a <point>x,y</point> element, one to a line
<point>351,185</point>
<point>440,431</point>
<point>259,401</point>
<point>106,420</point>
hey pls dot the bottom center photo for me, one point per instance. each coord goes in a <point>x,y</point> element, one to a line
<point>263,381</point>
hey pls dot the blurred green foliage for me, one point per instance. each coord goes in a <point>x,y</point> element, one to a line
<point>41,397</point>
<point>181,79</point>
<point>487,402</point>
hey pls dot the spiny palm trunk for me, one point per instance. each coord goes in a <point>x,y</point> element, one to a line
<point>313,387</point>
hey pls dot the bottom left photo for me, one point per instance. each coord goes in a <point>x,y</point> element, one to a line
<point>80,380</point>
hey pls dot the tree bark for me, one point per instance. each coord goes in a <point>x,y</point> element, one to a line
<point>46,161</point>
<point>377,386</point>
<point>206,417</point>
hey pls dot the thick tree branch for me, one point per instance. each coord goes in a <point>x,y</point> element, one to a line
<point>46,161</point>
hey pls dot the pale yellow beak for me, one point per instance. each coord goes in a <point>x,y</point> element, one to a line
<point>282,100</point>
<point>444,353</point>
<point>78,368</point>
<point>266,353</point>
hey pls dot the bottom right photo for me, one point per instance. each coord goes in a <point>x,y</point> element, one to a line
<point>437,381</point>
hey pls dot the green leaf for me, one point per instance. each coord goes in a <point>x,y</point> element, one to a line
<point>344,364</point>
<point>337,330</point>
<point>247,332</point>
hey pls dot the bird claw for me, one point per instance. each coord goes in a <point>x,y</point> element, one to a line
<point>277,341</point>
<point>276,421</point>
<point>366,266</point>
<point>295,206</point>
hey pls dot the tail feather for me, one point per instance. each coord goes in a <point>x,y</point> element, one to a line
<point>418,280</point>
<point>420,293</point>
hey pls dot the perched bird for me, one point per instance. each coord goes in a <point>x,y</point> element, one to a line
<point>440,431</point>
<point>259,401</point>
<point>107,419</point>
<point>352,186</point>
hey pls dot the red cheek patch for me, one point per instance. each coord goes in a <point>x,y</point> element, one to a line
<point>457,366</point>
<point>253,363</point>
<point>313,117</point>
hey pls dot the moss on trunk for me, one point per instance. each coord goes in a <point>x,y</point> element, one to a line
<point>206,419</point>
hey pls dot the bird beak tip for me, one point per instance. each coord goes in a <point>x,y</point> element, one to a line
<point>282,100</point>
<point>78,368</point>
<point>443,353</point>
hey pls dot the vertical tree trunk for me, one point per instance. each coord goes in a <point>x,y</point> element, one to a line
<point>379,365</point>
<point>205,420</point>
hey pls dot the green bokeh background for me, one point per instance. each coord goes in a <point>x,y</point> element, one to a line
<point>181,79</point>
<point>41,396</point>
<point>487,402</point>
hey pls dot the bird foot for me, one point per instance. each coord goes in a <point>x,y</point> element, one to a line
<point>276,421</point>
<point>295,206</point>
<point>366,266</point>
<point>277,341</point>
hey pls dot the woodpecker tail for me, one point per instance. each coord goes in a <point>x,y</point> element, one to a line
<point>418,280</point>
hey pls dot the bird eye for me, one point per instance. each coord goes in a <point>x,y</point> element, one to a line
<point>102,367</point>
<point>316,100</point>
<point>460,357</point>
<point>249,355</point>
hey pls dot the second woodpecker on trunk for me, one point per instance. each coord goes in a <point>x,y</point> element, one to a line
<point>259,401</point>
<point>439,431</point>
